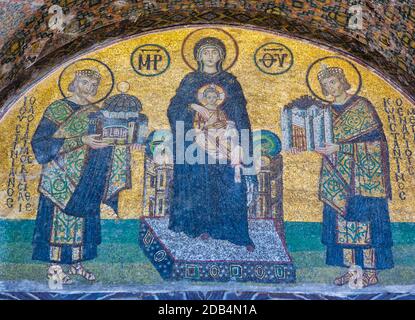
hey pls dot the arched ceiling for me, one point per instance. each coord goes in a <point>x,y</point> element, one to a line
<point>32,40</point>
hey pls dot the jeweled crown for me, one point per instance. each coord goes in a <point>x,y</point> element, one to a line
<point>89,73</point>
<point>327,72</point>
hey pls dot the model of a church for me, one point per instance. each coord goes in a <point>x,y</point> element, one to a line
<point>120,121</point>
<point>306,124</point>
<point>178,257</point>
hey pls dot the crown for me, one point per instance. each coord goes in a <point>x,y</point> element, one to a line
<point>326,72</point>
<point>91,73</point>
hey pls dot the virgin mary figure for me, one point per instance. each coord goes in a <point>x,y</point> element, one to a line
<point>210,199</point>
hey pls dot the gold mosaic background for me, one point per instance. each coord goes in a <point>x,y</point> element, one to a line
<point>266,96</point>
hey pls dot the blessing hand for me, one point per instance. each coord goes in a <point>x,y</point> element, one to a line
<point>94,142</point>
<point>328,149</point>
<point>201,110</point>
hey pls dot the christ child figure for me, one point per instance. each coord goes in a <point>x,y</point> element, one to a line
<point>215,128</point>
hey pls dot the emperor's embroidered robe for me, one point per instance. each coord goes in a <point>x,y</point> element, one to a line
<point>355,188</point>
<point>75,180</point>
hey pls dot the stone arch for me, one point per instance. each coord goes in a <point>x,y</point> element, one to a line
<point>31,46</point>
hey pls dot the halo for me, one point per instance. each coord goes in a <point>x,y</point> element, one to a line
<point>352,74</point>
<point>232,49</point>
<point>107,77</point>
<point>219,89</point>
<point>268,141</point>
<point>155,138</point>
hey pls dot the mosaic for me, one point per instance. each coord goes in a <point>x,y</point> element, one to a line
<point>196,157</point>
<point>36,34</point>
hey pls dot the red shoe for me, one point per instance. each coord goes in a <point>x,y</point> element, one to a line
<point>250,248</point>
<point>204,236</point>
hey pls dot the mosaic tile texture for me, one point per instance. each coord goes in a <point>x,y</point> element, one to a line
<point>121,173</point>
<point>385,40</point>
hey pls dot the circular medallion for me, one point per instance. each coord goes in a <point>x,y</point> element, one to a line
<point>273,58</point>
<point>150,60</point>
<point>259,272</point>
<point>159,255</point>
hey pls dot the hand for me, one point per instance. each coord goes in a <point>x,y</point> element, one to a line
<point>328,149</point>
<point>236,156</point>
<point>94,142</point>
<point>139,147</point>
<point>237,176</point>
<point>202,111</point>
<point>294,151</point>
<point>230,125</point>
<point>230,129</point>
<point>200,134</point>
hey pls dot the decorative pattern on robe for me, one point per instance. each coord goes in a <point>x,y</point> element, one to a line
<point>358,168</point>
<point>61,176</point>
<point>75,180</point>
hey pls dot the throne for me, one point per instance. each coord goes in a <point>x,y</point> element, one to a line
<point>178,257</point>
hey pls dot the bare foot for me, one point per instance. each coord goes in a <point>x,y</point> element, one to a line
<point>204,236</point>
<point>250,248</point>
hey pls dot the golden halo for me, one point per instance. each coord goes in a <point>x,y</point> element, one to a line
<point>352,74</point>
<point>106,84</point>
<point>217,88</point>
<point>232,49</point>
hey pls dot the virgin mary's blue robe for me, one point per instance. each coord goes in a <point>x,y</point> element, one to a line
<point>206,198</point>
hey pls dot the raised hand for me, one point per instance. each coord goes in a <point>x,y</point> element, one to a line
<point>201,110</point>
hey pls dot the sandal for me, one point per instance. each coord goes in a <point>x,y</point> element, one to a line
<point>344,279</point>
<point>66,279</point>
<point>370,278</point>
<point>56,273</point>
<point>81,271</point>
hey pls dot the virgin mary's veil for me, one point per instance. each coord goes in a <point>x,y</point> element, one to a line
<point>209,42</point>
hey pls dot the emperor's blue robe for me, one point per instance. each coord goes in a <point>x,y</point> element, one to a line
<point>85,200</point>
<point>356,223</point>
<point>206,198</point>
